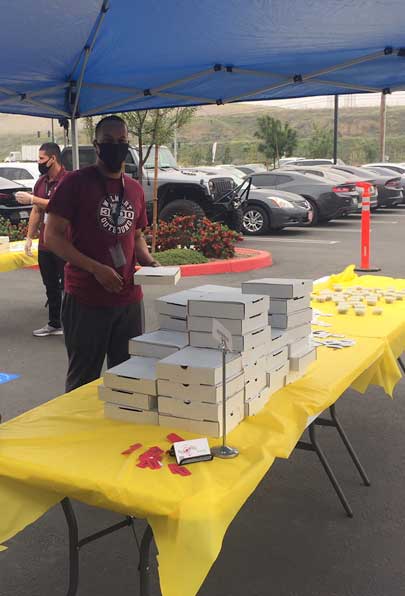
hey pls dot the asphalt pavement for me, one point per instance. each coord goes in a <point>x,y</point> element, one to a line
<point>292,537</point>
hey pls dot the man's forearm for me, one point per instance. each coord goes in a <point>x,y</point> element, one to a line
<point>34,223</point>
<point>143,255</point>
<point>39,202</point>
<point>66,251</point>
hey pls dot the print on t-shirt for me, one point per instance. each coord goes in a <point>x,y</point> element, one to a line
<point>106,213</point>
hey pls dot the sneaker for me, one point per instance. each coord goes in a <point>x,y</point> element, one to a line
<point>47,330</point>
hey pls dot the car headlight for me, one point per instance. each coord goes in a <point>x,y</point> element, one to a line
<point>211,186</point>
<point>282,203</point>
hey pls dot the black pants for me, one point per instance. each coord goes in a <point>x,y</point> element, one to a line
<point>52,273</point>
<point>91,334</point>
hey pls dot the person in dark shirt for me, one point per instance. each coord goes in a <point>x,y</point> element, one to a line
<point>51,266</point>
<point>105,211</point>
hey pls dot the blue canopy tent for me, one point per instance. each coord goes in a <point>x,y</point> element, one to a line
<point>99,56</point>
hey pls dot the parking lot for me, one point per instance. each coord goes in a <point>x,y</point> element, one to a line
<point>293,521</point>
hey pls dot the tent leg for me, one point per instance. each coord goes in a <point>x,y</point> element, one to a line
<point>335,129</point>
<point>144,562</point>
<point>75,144</point>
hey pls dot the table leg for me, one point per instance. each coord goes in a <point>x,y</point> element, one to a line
<point>73,547</point>
<point>144,562</point>
<point>349,446</point>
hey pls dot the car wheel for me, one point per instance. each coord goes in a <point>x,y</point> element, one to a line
<point>181,207</point>
<point>315,212</point>
<point>255,221</point>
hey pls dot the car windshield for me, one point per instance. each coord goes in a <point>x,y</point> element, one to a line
<point>166,159</point>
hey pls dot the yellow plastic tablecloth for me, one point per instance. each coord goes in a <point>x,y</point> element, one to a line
<point>67,448</point>
<point>16,257</point>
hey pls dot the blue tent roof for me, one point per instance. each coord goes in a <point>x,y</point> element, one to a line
<point>93,57</point>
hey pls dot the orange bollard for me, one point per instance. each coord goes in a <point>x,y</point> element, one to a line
<point>365,230</point>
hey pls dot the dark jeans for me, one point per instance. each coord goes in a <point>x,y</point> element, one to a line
<point>52,272</point>
<point>92,333</point>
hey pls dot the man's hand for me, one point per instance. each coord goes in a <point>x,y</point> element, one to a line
<point>28,246</point>
<point>154,264</point>
<point>108,278</point>
<point>24,198</point>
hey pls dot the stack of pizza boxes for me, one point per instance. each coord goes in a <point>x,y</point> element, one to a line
<point>4,244</point>
<point>290,317</point>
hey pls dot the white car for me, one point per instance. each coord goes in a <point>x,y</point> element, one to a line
<point>22,172</point>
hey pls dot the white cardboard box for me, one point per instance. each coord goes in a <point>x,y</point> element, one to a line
<point>227,305</point>
<point>240,343</point>
<point>125,414</point>
<point>277,378</point>
<point>300,362</point>
<point>277,359</point>
<point>298,332</point>
<point>278,287</point>
<point>295,319</point>
<point>254,385</point>
<point>172,323</point>
<point>210,288</point>
<point>234,326</point>
<point>124,398</point>
<point>279,339</point>
<point>175,305</point>
<point>201,393</point>
<point>253,368</point>
<point>136,375</point>
<point>250,357</point>
<point>162,276</point>
<point>286,306</point>
<point>198,366</point>
<point>298,346</point>
<point>198,410</point>
<point>204,427</point>
<point>253,406</point>
<point>158,344</point>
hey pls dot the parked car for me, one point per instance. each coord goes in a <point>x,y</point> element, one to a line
<point>342,177</point>
<point>9,208</point>
<point>252,168</point>
<point>388,169</point>
<point>327,199</point>
<point>179,192</point>
<point>269,210</point>
<point>389,188</point>
<point>25,173</point>
<point>313,162</point>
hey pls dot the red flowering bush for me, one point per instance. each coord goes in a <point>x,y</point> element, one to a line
<point>13,231</point>
<point>212,239</point>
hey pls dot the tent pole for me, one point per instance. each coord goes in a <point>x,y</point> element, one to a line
<point>383,119</point>
<point>75,144</point>
<point>335,129</point>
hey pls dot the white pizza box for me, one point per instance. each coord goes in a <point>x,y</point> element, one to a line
<point>198,410</point>
<point>277,378</point>
<point>4,240</point>
<point>206,427</point>
<point>228,305</point>
<point>254,385</point>
<point>162,276</point>
<point>255,405</point>
<point>211,288</point>
<point>279,339</point>
<point>250,357</point>
<point>254,368</point>
<point>175,305</point>
<point>234,326</point>
<point>277,359</point>
<point>125,398</point>
<point>298,346</point>
<point>298,332</point>
<point>172,323</point>
<point>278,287</point>
<point>198,366</point>
<point>301,361</point>
<point>137,375</point>
<point>294,376</point>
<point>125,414</point>
<point>158,344</point>
<point>301,317</point>
<point>240,343</point>
<point>286,306</point>
<point>201,393</point>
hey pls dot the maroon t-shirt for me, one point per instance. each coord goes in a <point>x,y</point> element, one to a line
<point>43,189</point>
<point>88,200</point>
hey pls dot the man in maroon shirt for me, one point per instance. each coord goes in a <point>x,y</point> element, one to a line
<point>105,210</point>
<point>50,265</point>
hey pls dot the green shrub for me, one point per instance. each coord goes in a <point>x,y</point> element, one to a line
<point>180,256</point>
<point>14,231</point>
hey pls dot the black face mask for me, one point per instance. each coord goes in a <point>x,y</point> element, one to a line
<point>44,168</point>
<point>113,154</point>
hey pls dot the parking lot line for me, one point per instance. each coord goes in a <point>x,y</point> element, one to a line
<point>338,230</point>
<point>296,240</point>
<point>377,221</point>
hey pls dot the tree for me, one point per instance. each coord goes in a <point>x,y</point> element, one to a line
<point>89,128</point>
<point>227,157</point>
<point>371,150</point>
<point>320,144</point>
<point>277,138</point>
<point>155,127</point>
